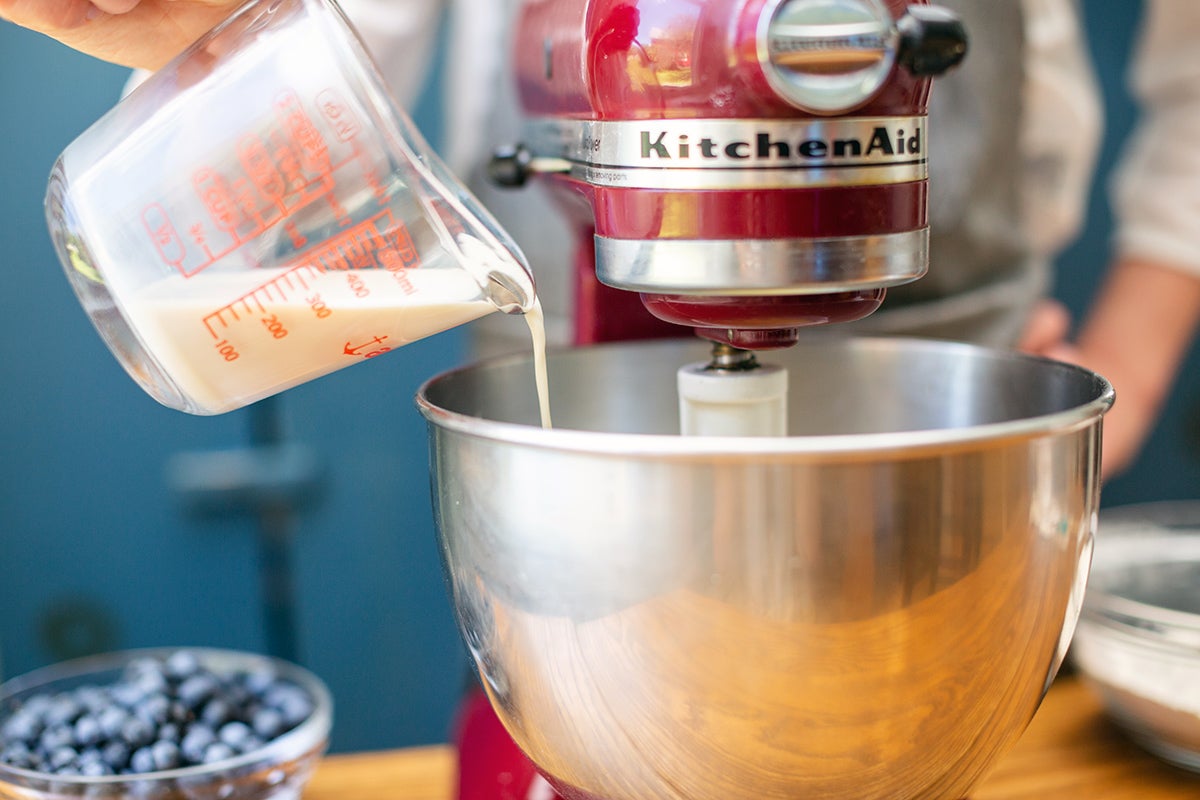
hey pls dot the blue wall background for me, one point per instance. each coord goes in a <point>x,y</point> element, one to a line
<point>97,552</point>
<point>1169,467</point>
<point>96,549</point>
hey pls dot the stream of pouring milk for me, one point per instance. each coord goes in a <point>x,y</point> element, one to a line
<point>229,338</point>
<point>537,334</point>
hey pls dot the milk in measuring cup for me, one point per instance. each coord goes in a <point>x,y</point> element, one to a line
<point>228,338</point>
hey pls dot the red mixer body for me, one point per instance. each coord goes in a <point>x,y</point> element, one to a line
<point>708,194</point>
<point>711,153</point>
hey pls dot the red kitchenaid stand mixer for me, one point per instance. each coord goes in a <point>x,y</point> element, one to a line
<point>745,168</point>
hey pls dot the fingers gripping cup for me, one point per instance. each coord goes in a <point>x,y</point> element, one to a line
<point>260,213</point>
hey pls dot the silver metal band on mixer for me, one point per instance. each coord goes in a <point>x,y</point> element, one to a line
<point>695,154</point>
<point>762,266</point>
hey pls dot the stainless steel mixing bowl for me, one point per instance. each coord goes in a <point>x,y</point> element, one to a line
<point>872,607</point>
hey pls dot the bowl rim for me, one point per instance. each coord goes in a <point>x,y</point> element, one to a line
<point>309,736</point>
<point>855,445</point>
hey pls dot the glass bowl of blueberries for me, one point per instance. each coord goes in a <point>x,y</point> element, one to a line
<point>189,723</point>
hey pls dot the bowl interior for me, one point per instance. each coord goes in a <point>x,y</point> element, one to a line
<point>838,386</point>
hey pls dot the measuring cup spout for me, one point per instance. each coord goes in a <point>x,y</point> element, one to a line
<point>504,280</point>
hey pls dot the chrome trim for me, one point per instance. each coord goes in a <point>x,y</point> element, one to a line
<point>827,57</point>
<point>762,266</point>
<point>697,154</point>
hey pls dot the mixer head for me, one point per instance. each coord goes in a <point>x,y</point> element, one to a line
<point>749,167</point>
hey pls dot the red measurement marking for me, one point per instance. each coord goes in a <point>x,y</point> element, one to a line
<point>356,247</point>
<point>217,197</point>
<point>369,172</point>
<point>261,168</point>
<point>357,350</point>
<point>255,301</point>
<point>405,248</point>
<point>365,240</point>
<point>314,153</point>
<point>247,202</point>
<point>287,161</point>
<point>337,114</point>
<point>162,232</point>
<point>298,239</point>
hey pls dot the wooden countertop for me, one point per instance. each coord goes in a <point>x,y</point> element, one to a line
<point>1070,751</point>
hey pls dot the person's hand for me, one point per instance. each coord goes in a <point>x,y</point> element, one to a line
<point>132,33</point>
<point>1136,335</point>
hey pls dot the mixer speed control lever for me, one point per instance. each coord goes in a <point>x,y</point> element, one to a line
<point>511,166</point>
<point>932,40</point>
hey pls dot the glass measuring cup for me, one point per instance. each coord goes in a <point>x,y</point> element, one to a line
<point>260,212</point>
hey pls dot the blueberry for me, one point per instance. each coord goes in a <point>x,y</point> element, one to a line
<point>259,681</point>
<point>92,699</point>
<point>154,708</point>
<point>112,720</point>
<point>236,695</point>
<point>166,754</point>
<point>268,723</point>
<point>87,731</point>
<point>17,754</point>
<point>61,757</point>
<point>142,760</point>
<point>116,755</point>
<point>88,754</point>
<point>196,741</point>
<point>197,690</point>
<point>181,664</point>
<point>169,733</point>
<point>291,701</point>
<point>37,704</point>
<point>235,734</point>
<point>137,732</point>
<point>94,769</point>
<point>62,710</point>
<point>218,751</point>
<point>141,667</point>
<point>57,737</point>
<point>127,695</point>
<point>150,681</point>
<point>24,726</point>
<point>216,712</point>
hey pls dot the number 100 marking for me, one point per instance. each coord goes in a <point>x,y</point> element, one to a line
<point>226,350</point>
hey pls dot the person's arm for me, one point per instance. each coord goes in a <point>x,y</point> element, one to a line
<point>400,35</point>
<point>1144,318</point>
<point>1136,335</point>
<point>132,33</point>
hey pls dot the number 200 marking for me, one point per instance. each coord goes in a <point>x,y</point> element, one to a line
<point>274,326</point>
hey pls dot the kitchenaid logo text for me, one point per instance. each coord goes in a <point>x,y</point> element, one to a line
<point>767,147</point>
<point>704,154</point>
